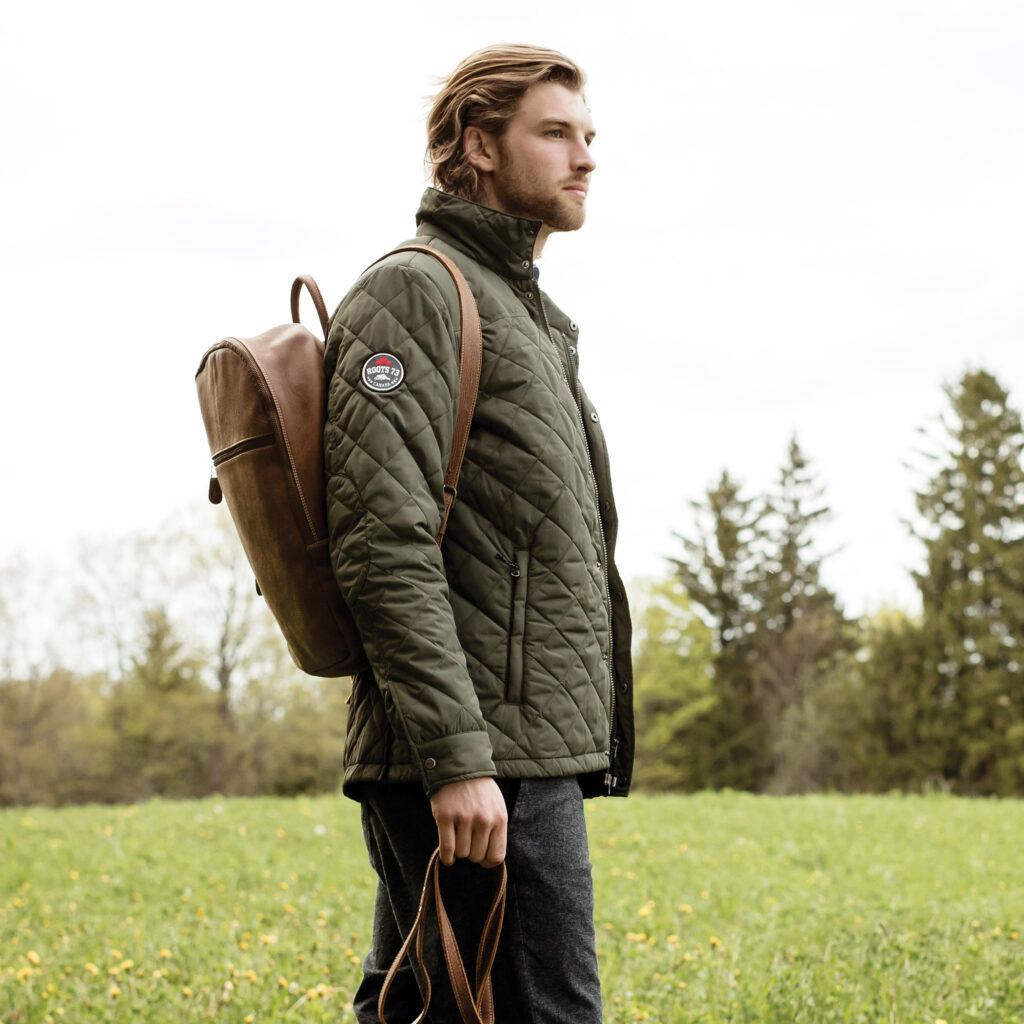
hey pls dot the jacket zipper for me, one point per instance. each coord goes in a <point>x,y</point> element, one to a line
<point>609,777</point>
<point>516,627</point>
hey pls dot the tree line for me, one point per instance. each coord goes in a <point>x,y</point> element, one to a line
<point>155,669</point>
<point>750,675</point>
<point>182,686</point>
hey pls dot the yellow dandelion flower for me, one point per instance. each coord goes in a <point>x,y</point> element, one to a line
<point>73,875</point>
<point>685,908</point>
<point>1013,935</point>
<point>268,940</point>
<point>282,982</point>
<point>681,984</point>
<point>704,894</point>
<point>165,954</point>
<point>92,968</point>
<point>243,945</point>
<point>687,957</point>
<point>127,965</point>
<point>115,991</point>
<point>939,1020</point>
<point>249,1018</point>
<point>33,957</point>
<point>186,991</point>
<point>24,974</point>
<point>715,942</point>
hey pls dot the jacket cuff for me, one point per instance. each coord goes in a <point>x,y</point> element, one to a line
<point>447,759</point>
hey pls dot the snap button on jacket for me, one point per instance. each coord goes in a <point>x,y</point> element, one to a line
<point>502,653</point>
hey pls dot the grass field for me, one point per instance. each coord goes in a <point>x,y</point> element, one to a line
<point>710,908</point>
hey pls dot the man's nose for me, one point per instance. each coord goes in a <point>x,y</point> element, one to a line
<point>583,161</point>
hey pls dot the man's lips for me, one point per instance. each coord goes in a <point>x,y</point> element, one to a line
<point>576,190</point>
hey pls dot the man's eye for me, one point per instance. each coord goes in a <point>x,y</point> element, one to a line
<point>555,132</point>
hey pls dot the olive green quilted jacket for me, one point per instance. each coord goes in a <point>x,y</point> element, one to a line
<point>507,652</point>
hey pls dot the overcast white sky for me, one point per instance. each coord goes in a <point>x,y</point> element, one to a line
<point>806,217</point>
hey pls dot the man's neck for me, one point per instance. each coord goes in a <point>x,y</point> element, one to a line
<point>542,237</point>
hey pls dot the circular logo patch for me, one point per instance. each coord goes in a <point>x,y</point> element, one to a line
<point>383,372</point>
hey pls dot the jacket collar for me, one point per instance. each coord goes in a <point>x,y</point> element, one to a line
<point>499,241</point>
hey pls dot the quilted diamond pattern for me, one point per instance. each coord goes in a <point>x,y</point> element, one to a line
<point>436,625</point>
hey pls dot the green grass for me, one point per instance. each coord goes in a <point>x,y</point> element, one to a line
<point>710,908</point>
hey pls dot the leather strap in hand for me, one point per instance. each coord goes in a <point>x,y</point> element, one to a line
<point>475,1008</point>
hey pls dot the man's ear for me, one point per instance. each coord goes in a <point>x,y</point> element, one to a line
<point>479,148</point>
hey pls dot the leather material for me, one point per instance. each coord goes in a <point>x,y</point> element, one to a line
<point>318,301</point>
<point>474,1007</point>
<point>469,374</point>
<point>263,402</point>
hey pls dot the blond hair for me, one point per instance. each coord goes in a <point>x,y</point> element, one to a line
<point>484,92</point>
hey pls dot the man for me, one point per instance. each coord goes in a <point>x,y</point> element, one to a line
<point>500,685</point>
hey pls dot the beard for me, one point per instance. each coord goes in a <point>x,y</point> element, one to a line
<point>527,194</point>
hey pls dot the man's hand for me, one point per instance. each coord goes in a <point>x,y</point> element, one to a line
<point>472,821</point>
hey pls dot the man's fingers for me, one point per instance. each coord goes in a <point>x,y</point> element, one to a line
<point>463,838</point>
<point>481,843</point>
<point>472,821</point>
<point>446,841</point>
<point>496,846</point>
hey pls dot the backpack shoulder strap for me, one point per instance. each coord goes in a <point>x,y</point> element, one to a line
<point>470,361</point>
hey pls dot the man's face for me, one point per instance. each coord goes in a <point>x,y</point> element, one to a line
<point>541,164</point>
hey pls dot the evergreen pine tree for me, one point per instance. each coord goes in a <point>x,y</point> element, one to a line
<point>801,628</point>
<point>721,572</point>
<point>972,588</point>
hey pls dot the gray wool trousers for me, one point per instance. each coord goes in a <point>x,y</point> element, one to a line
<point>545,971</point>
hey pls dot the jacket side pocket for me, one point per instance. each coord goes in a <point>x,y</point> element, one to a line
<point>517,630</point>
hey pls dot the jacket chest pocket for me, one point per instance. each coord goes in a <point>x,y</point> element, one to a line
<point>518,578</point>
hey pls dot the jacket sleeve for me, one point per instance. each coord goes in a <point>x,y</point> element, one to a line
<point>385,456</point>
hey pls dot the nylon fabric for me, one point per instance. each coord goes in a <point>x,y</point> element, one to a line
<point>479,666</point>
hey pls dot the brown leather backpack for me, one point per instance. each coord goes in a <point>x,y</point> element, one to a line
<point>263,401</point>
